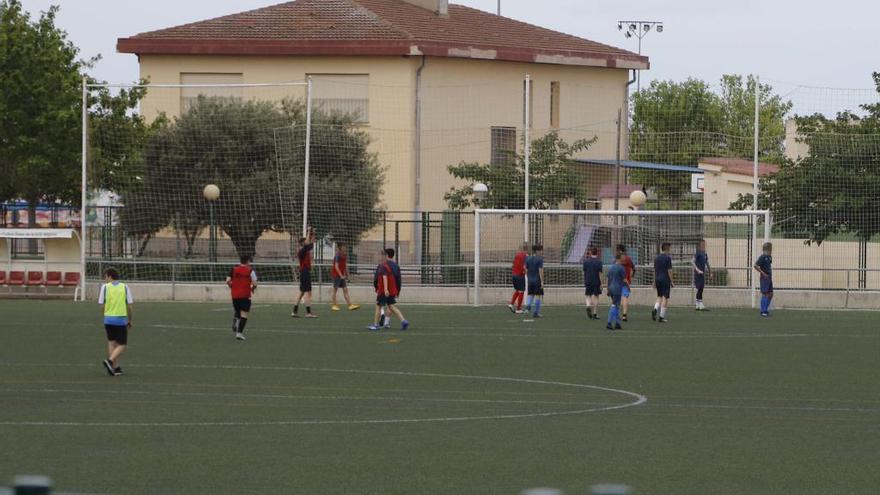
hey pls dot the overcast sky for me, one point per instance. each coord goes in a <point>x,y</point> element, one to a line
<point>788,42</point>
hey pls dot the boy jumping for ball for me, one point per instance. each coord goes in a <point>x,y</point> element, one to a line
<point>764,267</point>
<point>592,283</point>
<point>304,255</point>
<point>339,275</point>
<point>242,282</point>
<point>663,282</point>
<point>116,299</point>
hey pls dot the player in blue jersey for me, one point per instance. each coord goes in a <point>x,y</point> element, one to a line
<point>592,283</point>
<point>535,276</point>
<point>764,267</point>
<point>616,284</point>
<point>701,272</point>
<point>662,282</point>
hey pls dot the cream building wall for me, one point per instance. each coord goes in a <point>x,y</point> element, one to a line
<point>723,188</point>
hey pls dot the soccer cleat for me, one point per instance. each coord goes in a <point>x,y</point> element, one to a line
<point>618,326</point>
<point>661,320</point>
<point>624,318</point>
<point>311,315</point>
<point>528,309</point>
<point>537,315</point>
<point>239,336</point>
<point>335,307</point>
<point>404,325</point>
<point>108,366</point>
<point>520,312</point>
<point>654,314</point>
<point>294,315</point>
<point>765,315</point>
<point>609,327</point>
<point>117,371</point>
<point>596,316</point>
<point>512,308</point>
<point>373,328</point>
<point>352,307</point>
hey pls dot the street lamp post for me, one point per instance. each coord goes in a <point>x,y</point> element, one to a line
<point>211,193</point>
<point>639,29</point>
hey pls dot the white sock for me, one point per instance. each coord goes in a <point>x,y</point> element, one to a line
<point>656,305</point>
<point>663,312</point>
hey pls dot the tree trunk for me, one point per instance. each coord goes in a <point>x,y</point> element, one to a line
<point>144,243</point>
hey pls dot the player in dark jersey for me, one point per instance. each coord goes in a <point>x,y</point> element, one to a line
<point>663,282</point>
<point>535,275</point>
<point>701,272</point>
<point>764,267</point>
<point>592,266</point>
<point>242,282</point>
<point>616,283</point>
<point>388,282</point>
<point>304,256</point>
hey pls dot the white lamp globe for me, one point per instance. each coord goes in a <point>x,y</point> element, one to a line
<point>211,192</point>
<point>481,191</point>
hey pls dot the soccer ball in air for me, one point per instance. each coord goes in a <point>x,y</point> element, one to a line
<point>637,198</point>
<point>211,192</point>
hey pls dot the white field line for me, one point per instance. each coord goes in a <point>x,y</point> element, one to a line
<point>638,400</point>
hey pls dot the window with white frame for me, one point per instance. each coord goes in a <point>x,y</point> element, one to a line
<point>209,85</point>
<point>342,93</point>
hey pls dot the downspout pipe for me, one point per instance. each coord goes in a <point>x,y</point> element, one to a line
<point>417,235</point>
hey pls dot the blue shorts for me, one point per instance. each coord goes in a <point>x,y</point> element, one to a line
<point>519,282</point>
<point>700,281</point>
<point>625,292</point>
<point>766,285</point>
<point>664,288</point>
<point>615,297</point>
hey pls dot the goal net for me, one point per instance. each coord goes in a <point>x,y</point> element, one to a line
<point>733,242</point>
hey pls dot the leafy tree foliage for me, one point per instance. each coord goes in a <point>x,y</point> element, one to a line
<point>552,177</point>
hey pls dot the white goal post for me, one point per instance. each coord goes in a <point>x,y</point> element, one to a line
<point>734,240</point>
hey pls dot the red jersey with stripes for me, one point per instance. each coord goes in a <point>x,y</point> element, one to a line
<point>384,274</point>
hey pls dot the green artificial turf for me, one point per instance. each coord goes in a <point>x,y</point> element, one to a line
<point>735,403</point>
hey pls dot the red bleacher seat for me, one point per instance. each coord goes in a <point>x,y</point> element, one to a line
<point>70,279</point>
<point>2,277</point>
<point>34,278</point>
<point>53,279</point>
<point>15,278</point>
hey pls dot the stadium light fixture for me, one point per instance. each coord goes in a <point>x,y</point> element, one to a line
<point>639,29</point>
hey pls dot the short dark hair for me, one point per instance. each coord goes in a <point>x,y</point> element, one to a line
<point>340,245</point>
<point>302,240</point>
<point>594,251</point>
<point>245,259</point>
<point>389,252</point>
<point>618,256</point>
<point>665,246</point>
<point>768,245</point>
<point>621,248</point>
<point>112,273</point>
<point>537,247</point>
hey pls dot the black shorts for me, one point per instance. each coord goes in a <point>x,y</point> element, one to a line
<point>664,289</point>
<point>699,281</point>
<point>117,333</point>
<point>305,281</point>
<point>593,290</point>
<point>519,282</point>
<point>339,283</point>
<point>384,300</point>
<point>536,290</point>
<point>240,305</point>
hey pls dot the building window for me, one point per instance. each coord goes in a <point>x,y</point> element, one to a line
<point>554,105</point>
<point>342,93</point>
<point>503,141</point>
<point>28,249</point>
<point>209,85</point>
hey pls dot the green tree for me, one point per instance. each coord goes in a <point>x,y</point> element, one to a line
<point>236,146</point>
<point>40,109</point>
<point>678,123</point>
<point>553,177</point>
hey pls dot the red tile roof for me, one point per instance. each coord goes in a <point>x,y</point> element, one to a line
<point>740,166</point>
<point>377,27</point>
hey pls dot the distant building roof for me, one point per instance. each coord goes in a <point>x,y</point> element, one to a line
<point>608,190</point>
<point>378,27</point>
<point>740,166</point>
<point>643,165</point>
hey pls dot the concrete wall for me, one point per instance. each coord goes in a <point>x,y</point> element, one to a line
<point>719,298</point>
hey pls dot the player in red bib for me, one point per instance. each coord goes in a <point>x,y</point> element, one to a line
<point>339,275</point>
<point>304,256</point>
<point>242,282</point>
<point>387,282</point>
<point>630,269</point>
<point>518,277</point>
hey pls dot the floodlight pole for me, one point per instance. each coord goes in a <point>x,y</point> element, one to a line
<point>527,103</point>
<point>305,226</point>
<point>639,29</point>
<point>617,165</point>
<point>83,193</point>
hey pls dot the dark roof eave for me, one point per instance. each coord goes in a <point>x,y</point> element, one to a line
<point>170,46</point>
